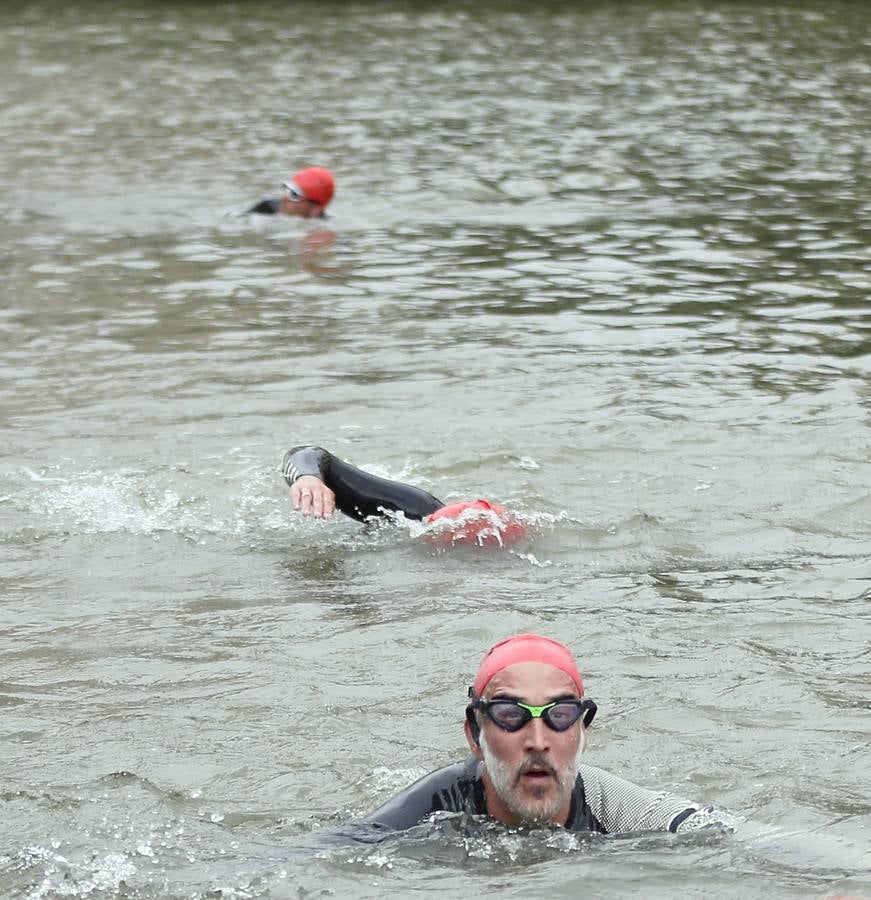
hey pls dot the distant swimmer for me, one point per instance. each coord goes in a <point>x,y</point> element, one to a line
<point>321,482</point>
<point>526,725</point>
<point>307,195</point>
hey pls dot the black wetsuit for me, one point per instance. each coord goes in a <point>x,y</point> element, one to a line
<point>270,206</point>
<point>358,494</point>
<point>601,803</point>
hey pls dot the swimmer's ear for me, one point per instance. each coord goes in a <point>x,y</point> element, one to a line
<point>473,731</point>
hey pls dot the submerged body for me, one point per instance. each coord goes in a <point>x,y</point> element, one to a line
<point>600,802</point>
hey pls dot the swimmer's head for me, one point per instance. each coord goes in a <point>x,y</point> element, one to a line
<point>529,768</point>
<point>308,192</point>
<point>476,522</point>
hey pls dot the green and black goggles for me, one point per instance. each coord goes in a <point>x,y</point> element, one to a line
<point>512,715</point>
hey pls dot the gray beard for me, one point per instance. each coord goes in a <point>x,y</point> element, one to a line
<point>505,783</point>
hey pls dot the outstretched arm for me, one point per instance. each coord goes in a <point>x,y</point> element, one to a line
<point>356,493</point>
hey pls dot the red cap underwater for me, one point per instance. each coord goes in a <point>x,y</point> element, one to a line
<point>316,183</point>
<point>492,525</point>
<point>526,648</point>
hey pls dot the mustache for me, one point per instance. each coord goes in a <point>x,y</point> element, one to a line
<point>536,761</point>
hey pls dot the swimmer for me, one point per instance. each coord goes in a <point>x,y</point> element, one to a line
<point>307,195</point>
<point>320,483</point>
<point>526,725</point>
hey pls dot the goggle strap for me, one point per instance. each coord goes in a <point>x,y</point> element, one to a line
<point>474,727</point>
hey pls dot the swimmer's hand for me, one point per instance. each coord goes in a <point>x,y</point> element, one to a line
<point>312,497</point>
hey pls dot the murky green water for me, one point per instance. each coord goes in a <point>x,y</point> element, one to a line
<point>605,263</point>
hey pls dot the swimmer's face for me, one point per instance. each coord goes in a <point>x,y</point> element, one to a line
<point>529,774</point>
<point>295,203</point>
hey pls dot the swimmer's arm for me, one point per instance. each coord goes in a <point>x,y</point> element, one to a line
<point>305,470</point>
<point>622,806</point>
<point>357,493</point>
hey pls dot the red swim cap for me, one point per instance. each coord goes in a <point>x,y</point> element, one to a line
<point>526,648</point>
<point>493,524</point>
<point>316,183</point>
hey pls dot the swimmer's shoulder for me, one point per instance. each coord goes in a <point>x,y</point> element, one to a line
<point>269,206</point>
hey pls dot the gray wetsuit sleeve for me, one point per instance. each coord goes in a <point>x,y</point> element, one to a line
<point>305,461</point>
<point>359,494</point>
<point>622,806</point>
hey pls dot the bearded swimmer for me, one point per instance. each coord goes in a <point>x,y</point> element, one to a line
<point>526,725</point>
<point>306,195</point>
<point>320,483</point>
